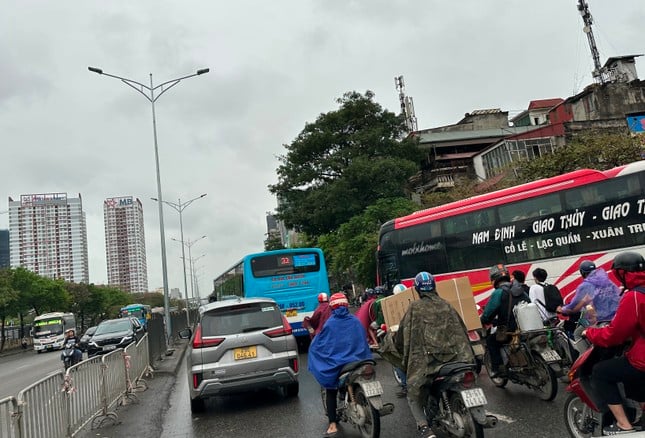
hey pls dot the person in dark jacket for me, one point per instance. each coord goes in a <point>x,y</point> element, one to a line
<point>497,310</point>
<point>320,315</point>
<point>628,324</point>
<point>342,340</point>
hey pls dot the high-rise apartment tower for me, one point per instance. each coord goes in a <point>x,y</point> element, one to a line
<point>48,236</point>
<point>125,244</point>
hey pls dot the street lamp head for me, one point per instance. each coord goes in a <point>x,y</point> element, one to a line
<point>95,70</point>
<point>201,71</point>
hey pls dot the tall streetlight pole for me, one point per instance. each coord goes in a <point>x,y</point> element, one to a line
<point>190,244</point>
<point>179,207</point>
<point>193,273</point>
<point>149,93</point>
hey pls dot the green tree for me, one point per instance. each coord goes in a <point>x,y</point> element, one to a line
<point>343,163</point>
<point>593,150</point>
<point>8,301</point>
<point>273,242</point>
<point>350,250</point>
<point>39,293</point>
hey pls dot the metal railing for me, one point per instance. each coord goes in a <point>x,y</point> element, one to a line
<point>62,404</point>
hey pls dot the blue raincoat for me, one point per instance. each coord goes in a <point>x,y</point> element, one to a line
<point>341,341</point>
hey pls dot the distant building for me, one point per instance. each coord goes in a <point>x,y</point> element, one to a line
<point>48,236</point>
<point>5,261</point>
<point>125,246</point>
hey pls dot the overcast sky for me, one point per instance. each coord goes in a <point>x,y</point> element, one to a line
<point>274,66</point>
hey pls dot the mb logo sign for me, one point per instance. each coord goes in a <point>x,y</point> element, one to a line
<point>119,202</point>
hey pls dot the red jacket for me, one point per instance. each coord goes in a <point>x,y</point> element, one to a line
<point>629,323</point>
<point>320,316</point>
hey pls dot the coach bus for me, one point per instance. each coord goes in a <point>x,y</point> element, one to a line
<point>292,277</point>
<point>140,311</point>
<point>552,223</point>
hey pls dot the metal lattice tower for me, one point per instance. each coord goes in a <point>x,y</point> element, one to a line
<point>583,8</point>
<point>407,105</point>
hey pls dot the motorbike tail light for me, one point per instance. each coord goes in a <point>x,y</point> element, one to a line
<point>200,342</point>
<point>468,379</point>
<point>294,364</point>
<point>197,379</point>
<point>285,330</point>
<point>473,335</point>
<point>367,371</point>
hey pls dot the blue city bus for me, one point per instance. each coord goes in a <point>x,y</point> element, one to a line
<point>292,277</point>
<point>140,311</point>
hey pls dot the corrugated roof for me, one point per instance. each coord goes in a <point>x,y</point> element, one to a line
<point>480,112</point>
<point>431,137</point>
<point>545,103</point>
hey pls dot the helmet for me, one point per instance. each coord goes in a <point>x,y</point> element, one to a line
<point>398,288</point>
<point>379,290</point>
<point>370,292</point>
<point>628,261</point>
<point>338,299</point>
<point>424,282</point>
<point>497,273</point>
<point>322,297</point>
<point>586,267</point>
<point>68,331</point>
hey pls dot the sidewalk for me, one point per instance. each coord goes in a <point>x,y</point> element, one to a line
<point>144,417</point>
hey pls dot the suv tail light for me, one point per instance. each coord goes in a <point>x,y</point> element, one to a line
<point>285,330</point>
<point>199,342</point>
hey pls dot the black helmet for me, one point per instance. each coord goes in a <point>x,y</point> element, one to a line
<point>586,267</point>
<point>498,272</point>
<point>629,261</point>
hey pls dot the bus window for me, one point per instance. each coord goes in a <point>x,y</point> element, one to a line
<point>535,207</point>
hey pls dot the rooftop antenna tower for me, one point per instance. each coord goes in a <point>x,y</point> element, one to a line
<point>407,105</point>
<point>583,8</point>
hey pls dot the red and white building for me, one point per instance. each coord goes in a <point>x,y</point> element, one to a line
<point>48,236</point>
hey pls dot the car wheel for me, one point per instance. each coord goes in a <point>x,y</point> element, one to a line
<point>197,405</point>
<point>292,389</point>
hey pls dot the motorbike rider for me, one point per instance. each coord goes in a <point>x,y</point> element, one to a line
<point>430,335</point>
<point>628,323</point>
<point>342,340</point>
<point>320,315</point>
<point>70,336</point>
<point>596,290</point>
<point>366,314</point>
<point>498,306</point>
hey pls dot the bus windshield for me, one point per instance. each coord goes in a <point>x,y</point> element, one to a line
<point>48,327</point>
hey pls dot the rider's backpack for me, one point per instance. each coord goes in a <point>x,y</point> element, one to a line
<point>552,297</point>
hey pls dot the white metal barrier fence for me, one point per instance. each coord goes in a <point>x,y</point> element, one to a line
<point>8,417</point>
<point>61,404</point>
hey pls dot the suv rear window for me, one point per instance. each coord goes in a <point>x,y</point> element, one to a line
<point>240,319</point>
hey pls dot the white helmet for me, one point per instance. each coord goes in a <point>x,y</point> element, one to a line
<point>398,288</point>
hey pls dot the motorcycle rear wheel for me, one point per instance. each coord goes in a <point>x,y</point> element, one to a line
<point>500,382</point>
<point>549,388</point>
<point>574,410</point>
<point>463,417</point>
<point>372,426</point>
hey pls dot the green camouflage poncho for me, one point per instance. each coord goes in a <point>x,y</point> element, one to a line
<point>430,334</point>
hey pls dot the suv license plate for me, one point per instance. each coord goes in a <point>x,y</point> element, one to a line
<point>372,388</point>
<point>245,353</point>
<point>550,355</point>
<point>473,397</point>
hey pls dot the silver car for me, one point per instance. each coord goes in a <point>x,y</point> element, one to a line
<point>240,345</point>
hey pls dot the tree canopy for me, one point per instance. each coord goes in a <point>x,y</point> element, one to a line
<point>342,163</point>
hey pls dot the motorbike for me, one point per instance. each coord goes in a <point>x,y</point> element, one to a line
<point>359,398</point>
<point>529,361</point>
<point>582,416</point>
<point>68,354</point>
<point>567,349</point>
<point>454,405</point>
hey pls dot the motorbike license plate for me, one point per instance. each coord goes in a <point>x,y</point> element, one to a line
<point>245,353</point>
<point>372,388</point>
<point>550,355</point>
<point>473,397</point>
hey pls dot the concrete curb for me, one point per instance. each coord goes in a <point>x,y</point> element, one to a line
<point>170,364</point>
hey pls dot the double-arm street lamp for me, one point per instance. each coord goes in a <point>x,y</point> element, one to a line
<point>149,93</point>
<point>193,273</point>
<point>180,207</point>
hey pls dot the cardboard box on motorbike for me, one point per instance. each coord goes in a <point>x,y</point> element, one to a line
<point>456,291</point>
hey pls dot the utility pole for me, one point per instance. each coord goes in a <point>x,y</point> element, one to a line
<point>598,73</point>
